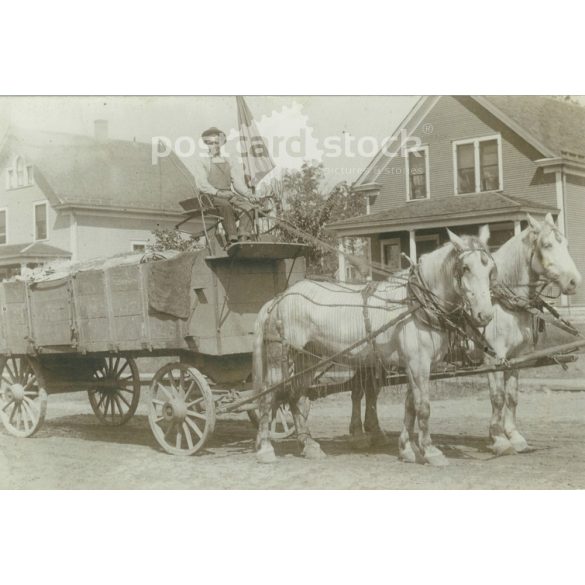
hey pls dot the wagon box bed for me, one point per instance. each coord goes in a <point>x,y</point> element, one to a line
<point>112,309</point>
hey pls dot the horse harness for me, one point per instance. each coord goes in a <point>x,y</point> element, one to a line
<point>456,322</point>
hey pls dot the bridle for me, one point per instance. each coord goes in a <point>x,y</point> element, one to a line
<point>434,314</point>
<point>459,271</point>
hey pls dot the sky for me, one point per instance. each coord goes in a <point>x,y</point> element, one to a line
<point>316,118</point>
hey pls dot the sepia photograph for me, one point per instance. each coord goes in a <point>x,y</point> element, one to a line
<point>292,292</point>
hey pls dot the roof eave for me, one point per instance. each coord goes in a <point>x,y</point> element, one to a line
<point>115,209</point>
<point>406,120</point>
<point>436,220</point>
<point>558,163</point>
<point>517,128</point>
<point>367,187</point>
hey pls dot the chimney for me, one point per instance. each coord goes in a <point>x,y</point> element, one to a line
<point>100,129</point>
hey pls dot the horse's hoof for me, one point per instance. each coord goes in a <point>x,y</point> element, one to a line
<point>436,460</point>
<point>518,443</point>
<point>407,454</point>
<point>266,455</point>
<point>313,451</point>
<point>360,442</point>
<point>501,446</point>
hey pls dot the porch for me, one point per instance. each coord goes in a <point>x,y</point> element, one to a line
<point>401,235</point>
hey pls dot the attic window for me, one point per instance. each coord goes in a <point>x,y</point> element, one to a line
<point>19,175</point>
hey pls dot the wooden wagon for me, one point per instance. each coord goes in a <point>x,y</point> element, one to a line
<point>84,331</point>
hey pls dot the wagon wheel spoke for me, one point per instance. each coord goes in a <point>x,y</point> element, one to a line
<point>120,396</point>
<point>196,415</point>
<point>188,436</point>
<point>194,426</point>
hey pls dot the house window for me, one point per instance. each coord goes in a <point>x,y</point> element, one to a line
<point>3,229</point>
<point>20,175</point>
<point>41,221</point>
<point>390,253</point>
<point>139,247</point>
<point>426,244</point>
<point>417,173</point>
<point>9,271</point>
<point>478,165</point>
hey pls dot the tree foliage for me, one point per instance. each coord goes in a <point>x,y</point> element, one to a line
<point>172,239</point>
<point>308,208</point>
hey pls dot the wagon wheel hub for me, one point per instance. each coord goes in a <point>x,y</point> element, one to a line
<point>15,392</point>
<point>174,410</point>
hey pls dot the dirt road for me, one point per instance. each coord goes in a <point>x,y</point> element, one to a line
<point>74,451</point>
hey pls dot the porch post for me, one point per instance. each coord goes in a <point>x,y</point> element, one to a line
<point>341,261</point>
<point>517,227</point>
<point>412,245</point>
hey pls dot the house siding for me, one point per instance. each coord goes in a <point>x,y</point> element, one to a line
<point>106,236</point>
<point>575,220</point>
<point>19,204</point>
<point>458,119</point>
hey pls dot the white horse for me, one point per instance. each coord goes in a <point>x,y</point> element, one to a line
<point>539,253</point>
<point>321,319</point>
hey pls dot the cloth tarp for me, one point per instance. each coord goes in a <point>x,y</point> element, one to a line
<point>169,285</point>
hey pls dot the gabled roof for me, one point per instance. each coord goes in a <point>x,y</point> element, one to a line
<point>554,127</point>
<point>80,170</point>
<point>31,250</point>
<point>557,124</point>
<point>443,210</point>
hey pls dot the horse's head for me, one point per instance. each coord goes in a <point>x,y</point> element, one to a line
<point>550,255</point>
<point>475,272</point>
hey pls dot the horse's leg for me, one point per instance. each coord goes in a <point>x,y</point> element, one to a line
<point>419,370</point>
<point>264,449</point>
<point>407,442</point>
<point>371,422</point>
<point>300,407</point>
<point>357,437</point>
<point>511,382</point>
<point>501,444</point>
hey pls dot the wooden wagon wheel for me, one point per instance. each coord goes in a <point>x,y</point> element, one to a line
<point>116,403</point>
<point>282,425</point>
<point>181,409</point>
<point>23,398</point>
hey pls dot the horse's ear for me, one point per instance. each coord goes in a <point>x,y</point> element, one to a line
<point>484,234</point>
<point>455,240</point>
<point>549,219</point>
<point>535,225</point>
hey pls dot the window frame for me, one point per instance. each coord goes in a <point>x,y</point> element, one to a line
<point>35,205</point>
<point>138,243</point>
<point>477,163</point>
<point>424,148</point>
<point>387,241</point>
<point>12,174</point>
<point>5,210</point>
<point>426,238</point>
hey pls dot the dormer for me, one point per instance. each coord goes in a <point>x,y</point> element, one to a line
<point>20,174</point>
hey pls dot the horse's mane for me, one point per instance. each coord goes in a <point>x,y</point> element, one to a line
<point>446,266</point>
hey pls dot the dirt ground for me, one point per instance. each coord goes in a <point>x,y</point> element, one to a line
<point>73,450</point>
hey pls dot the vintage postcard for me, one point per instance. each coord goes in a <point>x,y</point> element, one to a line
<point>291,292</point>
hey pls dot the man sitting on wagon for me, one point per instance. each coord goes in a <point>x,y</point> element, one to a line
<point>219,179</point>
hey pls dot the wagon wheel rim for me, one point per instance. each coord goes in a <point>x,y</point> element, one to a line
<point>181,409</point>
<point>117,404</point>
<point>281,424</point>
<point>23,398</point>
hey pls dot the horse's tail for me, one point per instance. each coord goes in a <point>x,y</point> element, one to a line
<point>258,352</point>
